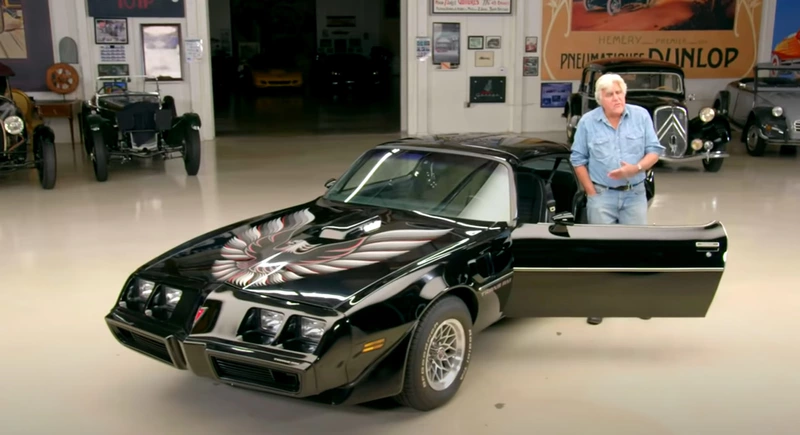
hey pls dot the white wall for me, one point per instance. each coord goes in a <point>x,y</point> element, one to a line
<point>69,18</point>
<point>437,98</point>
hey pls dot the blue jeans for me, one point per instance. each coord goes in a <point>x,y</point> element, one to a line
<point>627,207</point>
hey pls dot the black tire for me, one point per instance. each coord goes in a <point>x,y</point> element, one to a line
<point>46,163</point>
<point>418,393</point>
<point>754,144</point>
<point>191,152</point>
<point>99,156</point>
<point>713,165</point>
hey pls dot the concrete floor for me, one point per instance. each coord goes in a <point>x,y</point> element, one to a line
<point>66,253</point>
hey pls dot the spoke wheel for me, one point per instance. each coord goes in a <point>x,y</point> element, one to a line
<point>614,6</point>
<point>445,354</point>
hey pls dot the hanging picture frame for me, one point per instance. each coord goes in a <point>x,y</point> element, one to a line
<point>161,51</point>
<point>447,45</point>
<point>110,31</point>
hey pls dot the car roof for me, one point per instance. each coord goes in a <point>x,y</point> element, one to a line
<point>510,147</point>
<point>631,62</point>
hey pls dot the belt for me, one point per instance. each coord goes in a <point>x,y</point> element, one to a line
<point>622,188</point>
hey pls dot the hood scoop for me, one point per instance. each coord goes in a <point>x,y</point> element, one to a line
<point>344,232</point>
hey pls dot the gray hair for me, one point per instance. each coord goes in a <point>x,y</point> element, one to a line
<point>606,81</point>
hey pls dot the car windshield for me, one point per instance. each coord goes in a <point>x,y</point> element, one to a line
<point>434,183</point>
<point>778,77</point>
<point>653,81</point>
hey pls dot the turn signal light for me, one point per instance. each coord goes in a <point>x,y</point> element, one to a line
<point>373,345</point>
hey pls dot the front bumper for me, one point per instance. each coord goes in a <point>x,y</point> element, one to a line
<point>697,157</point>
<point>775,135</point>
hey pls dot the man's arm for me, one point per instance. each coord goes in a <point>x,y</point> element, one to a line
<point>580,157</point>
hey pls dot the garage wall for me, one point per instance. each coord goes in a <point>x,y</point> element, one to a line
<point>438,98</point>
<point>69,18</point>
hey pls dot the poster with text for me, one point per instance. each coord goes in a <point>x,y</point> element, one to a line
<point>707,38</point>
<point>785,49</point>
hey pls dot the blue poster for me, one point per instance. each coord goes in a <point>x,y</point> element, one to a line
<point>556,94</point>
<point>786,36</point>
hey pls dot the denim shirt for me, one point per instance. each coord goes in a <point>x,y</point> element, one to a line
<point>602,148</point>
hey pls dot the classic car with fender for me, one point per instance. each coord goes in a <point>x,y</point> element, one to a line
<point>659,87</point>
<point>766,107</point>
<point>27,142</point>
<point>376,288</point>
<point>127,118</point>
<point>613,7</point>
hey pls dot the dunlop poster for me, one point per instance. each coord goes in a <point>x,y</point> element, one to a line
<point>707,38</point>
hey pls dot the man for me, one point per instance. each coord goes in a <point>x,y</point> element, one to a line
<point>615,143</point>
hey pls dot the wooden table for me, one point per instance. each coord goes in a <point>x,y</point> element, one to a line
<point>69,109</point>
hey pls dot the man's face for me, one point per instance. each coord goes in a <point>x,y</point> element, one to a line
<point>613,100</point>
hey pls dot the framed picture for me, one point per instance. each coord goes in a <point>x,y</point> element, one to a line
<point>484,7</point>
<point>492,42</point>
<point>484,58</point>
<point>531,44</point>
<point>475,42</point>
<point>487,89</point>
<point>112,69</point>
<point>555,94</point>
<point>110,31</point>
<point>530,66</point>
<point>447,45</point>
<point>162,58</point>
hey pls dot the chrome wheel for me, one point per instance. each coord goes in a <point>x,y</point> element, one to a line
<point>445,354</point>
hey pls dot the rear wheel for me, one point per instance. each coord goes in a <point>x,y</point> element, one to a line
<point>99,156</point>
<point>439,355</point>
<point>191,152</point>
<point>46,162</point>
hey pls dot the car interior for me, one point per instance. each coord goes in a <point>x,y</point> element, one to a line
<point>544,179</point>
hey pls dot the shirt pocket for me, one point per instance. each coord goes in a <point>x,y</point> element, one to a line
<point>601,150</point>
<point>633,147</point>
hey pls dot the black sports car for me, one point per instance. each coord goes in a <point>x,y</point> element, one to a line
<point>660,88</point>
<point>376,288</point>
<point>127,118</point>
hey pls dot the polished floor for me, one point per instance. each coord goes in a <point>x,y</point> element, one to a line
<point>66,252</point>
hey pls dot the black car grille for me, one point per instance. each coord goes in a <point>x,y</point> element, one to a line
<point>671,125</point>
<point>256,375</point>
<point>150,346</point>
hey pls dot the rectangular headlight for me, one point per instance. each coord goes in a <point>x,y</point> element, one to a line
<point>270,321</point>
<point>311,329</point>
<point>171,297</point>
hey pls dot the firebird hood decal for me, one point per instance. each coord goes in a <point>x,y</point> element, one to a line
<point>274,252</point>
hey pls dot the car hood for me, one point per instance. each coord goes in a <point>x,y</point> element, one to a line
<point>788,100</point>
<point>321,253</point>
<point>651,102</point>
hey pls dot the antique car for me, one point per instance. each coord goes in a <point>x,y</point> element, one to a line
<point>127,118</point>
<point>614,7</point>
<point>376,288</point>
<point>766,107</point>
<point>658,86</point>
<point>787,51</point>
<point>266,72</point>
<point>23,127</point>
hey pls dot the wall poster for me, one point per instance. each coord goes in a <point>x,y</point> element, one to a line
<point>707,38</point>
<point>26,44</point>
<point>785,48</point>
<point>480,7</point>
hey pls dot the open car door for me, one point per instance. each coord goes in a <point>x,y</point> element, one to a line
<point>564,269</point>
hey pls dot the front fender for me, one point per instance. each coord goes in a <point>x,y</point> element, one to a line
<point>718,131</point>
<point>43,132</point>
<point>180,126</point>
<point>770,125</point>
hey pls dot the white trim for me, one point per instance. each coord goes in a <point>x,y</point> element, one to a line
<point>619,269</point>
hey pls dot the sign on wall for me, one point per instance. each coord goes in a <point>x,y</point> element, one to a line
<point>481,7</point>
<point>136,8</point>
<point>785,48</point>
<point>707,38</point>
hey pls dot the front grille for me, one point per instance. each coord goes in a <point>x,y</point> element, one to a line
<point>256,375</point>
<point>797,126</point>
<point>671,124</point>
<point>150,346</point>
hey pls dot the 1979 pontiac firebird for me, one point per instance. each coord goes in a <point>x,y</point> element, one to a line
<point>376,288</point>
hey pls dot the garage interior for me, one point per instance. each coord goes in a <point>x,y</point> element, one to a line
<point>68,251</point>
<point>305,67</point>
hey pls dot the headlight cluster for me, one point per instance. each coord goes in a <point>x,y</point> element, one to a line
<point>298,333</point>
<point>777,111</point>
<point>14,125</point>
<point>155,300</point>
<point>707,114</point>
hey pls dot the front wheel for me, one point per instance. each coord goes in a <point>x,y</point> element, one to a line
<point>99,156</point>
<point>46,162</point>
<point>191,152</point>
<point>614,6</point>
<point>439,355</point>
<point>713,165</point>
<point>753,142</point>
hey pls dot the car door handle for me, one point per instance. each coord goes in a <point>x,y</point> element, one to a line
<point>707,246</point>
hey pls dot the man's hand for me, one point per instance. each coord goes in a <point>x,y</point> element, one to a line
<point>625,171</point>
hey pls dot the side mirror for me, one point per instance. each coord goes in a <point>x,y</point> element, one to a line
<point>560,223</point>
<point>330,183</point>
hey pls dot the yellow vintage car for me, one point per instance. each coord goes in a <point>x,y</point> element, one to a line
<point>266,73</point>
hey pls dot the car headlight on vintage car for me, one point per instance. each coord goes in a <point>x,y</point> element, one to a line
<point>707,114</point>
<point>697,144</point>
<point>164,302</point>
<point>311,329</point>
<point>14,125</point>
<point>777,111</point>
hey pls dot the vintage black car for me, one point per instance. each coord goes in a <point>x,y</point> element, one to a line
<point>376,288</point>
<point>23,127</point>
<point>659,87</point>
<point>127,118</point>
<point>766,107</point>
<point>614,7</point>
